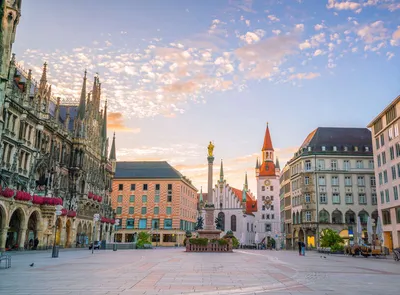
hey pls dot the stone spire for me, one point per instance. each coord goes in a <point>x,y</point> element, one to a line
<point>245,182</point>
<point>82,102</point>
<point>43,79</point>
<point>277,166</point>
<point>257,167</point>
<point>104,127</point>
<point>221,172</point>
<point>112,152</point>
<point>201,195</point>
<point>267,149</point>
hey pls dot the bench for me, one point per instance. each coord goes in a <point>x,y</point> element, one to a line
<point>6,258</point>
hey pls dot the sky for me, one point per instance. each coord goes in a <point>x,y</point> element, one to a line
<point>179,73</point>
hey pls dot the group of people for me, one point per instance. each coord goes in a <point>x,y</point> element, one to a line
<point>302,248</point>
<point>33,243</point>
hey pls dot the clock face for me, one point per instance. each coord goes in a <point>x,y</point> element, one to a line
<point>267,182</point>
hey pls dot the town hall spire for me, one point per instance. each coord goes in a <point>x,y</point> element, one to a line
<point>221,172</point>
<point>82,102</point>
<point>267,149</point>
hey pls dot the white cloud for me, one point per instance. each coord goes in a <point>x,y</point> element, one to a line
<point>273,18</point>
<point>373,32</point>
<point>317,52</point>
<point>304,76</point>
<point>319,27</point>
<point>396,34</point>
<point>343,5</point>
<point>389,55</point>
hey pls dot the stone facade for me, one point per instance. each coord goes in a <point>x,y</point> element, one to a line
<point>386,145</point>
<point>286,207</point>
<point>50,149</point>
<point>332,184</point>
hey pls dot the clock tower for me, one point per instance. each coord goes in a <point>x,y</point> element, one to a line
<point>268,203</point>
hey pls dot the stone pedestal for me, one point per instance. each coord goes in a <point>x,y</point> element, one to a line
<point>209,230</point>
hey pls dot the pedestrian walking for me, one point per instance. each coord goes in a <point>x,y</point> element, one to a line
<point>303,249</point>
<point>299,244</point>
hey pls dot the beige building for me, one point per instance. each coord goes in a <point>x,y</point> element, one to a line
<point>155,198</point>
<point>286,206</point>
<point>332,183</point>
<point>386,144</point>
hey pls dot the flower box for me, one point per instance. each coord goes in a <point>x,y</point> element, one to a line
<point>7,193</point>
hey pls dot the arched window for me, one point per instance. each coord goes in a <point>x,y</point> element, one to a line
<point>233,223</point>
<point>221,216</point>
<point>294,218</point>
<point>363,216</point>
<point>337,217</point>
<point>324,216</point>
<point>350,217</point>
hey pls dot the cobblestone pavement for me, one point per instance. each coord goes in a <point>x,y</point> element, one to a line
<point>173,271</point>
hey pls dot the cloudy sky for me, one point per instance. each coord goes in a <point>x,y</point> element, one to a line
<point>180,73</point>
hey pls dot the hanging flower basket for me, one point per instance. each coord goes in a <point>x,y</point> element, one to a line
<point>99,199</point>
<point>64,212</point>
<point>22,196</point>
<point>38,200</point>
<point>7,193</point>
<point>71,213</point>
<point>90,195</point>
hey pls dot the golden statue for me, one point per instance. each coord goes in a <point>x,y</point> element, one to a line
<point>210,149</point>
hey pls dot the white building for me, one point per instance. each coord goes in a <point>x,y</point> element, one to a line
<point>267,217</point>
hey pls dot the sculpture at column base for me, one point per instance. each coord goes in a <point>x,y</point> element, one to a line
<point>209,231</point>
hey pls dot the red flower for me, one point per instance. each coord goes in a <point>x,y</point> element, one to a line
<point>64,212</point>
<point>71,213</point>
<point>90,195</point>
<point>7,193</point>
<point>38,200</point>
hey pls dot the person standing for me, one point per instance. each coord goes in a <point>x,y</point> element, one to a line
<point>299,244</point>
<point>35,243</point>
<point>303,249</point>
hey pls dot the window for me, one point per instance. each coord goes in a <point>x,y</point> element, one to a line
<point>398,215</point>
<point>133,187</point>
<point>308,216</point>
<point>263,207</point>
<point>169,238</point>
<point>306,180</point>
<point>131,210</point>
<point>144,210</point>
<point>377,143</point>
<point>391,150</point>
<point>396,130</point>
<point>119,199</point>
<point>391,114</point>
<point>335,180</point>
<point>263,198</point>
<point>144,198</point>
<point>271,188</point>
<point>362,200</point>
<point>367,148</point>
<point>346,165</point>
<point>334,165</point>
<point>395,193</point>
<point>360,181</point>
<point>390,133</point>
<point>157,188</point>
<point>374,200</point>
<point>382,197</point>
<point>335,148</point>
<point>322,198</point>
<point>132,198</point>
<point>307,165</point>
<point>169,193</point>
<point>378,158</point>
<point>120,187</point>
<point>335,198</point>
<point>323,148</point>
<point>119,210</point>
<point>347,180</point>
<point>387,195</point>
<point>345,148</point>
<point>380,178</point>
<point>382,139</point>
<point>267,216</point>
<point>145,186</point>
<point>383,158</point>
<point>349,198</point>
<point>398,170</point>
<point>385,176</point>
<point>142,223</point>
<point>130,223</point>
<point>272,216</point>
<point>263,188</point>
<point>156,210</point>
<point>371,164</point>
<point>321,180</point>
<point>157,199</point>
<point>155,224</point>
<point>321,164</point>
<point>397,149</point>
<point>372,181</point>
<point>169,210</point>
<point>233,222</point>
<point>393,172</point>
<point>167,223</point>
<point>263,216</point>
<point>272,207</point>
<point>267,227</point>
<point>272,198</point>
<point>359,164</point>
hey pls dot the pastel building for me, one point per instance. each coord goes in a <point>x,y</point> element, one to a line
<point>386,147</point>
<point>153,197</point>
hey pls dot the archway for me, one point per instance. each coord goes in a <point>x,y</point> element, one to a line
<point>221,217</point>
<point>14,237</point>
<point>3,217</point>
<point>350,217</point>
<point>68,230</point>
<point>337,217</point>
<point>301,235</point>
<point>79,235</point>
<point>32,230</point>
<point>85,240</point>
<point>324,216</point>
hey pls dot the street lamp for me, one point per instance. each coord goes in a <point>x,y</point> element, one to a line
<point>96,218</point>
<point>54,253</point>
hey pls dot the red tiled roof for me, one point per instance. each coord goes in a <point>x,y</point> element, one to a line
<point>267,146</point>
<point>251,204</point>
<point>267,169</point>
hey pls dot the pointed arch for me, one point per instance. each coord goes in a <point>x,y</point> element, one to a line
<point>324,216</point>
<point>337,217</point>
<point>233,223</point>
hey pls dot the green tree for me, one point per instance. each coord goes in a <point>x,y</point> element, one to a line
<point>218,223</point>
<point>143,238</point>
<point>330,238</point>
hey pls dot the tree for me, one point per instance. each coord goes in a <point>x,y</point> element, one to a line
<point>143,238</point>
<point>330,238</point>
<point>199,224</point>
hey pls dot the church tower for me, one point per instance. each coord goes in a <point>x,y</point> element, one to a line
<point>113,156</point>
<point>268,203</point>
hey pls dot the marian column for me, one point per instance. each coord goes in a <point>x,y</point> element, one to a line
<point>210,160</point>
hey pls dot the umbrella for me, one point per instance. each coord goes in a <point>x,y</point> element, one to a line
<point>369,230</point>
<point>379,230</point>
<point>256,238</point>
<point>359,230</point>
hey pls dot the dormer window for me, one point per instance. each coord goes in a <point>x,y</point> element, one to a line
<point>309,149</point>
<point>367,149</point>
<point>323,148</point>
<point>346,149</point>
<point>335,149</point>
<point>356,148</point>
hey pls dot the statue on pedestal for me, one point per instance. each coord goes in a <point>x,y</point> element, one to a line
<point>210,150</point>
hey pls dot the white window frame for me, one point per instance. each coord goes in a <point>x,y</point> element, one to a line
<point>335,198</point>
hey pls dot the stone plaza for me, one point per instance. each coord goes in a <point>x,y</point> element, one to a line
<point>173,271</point>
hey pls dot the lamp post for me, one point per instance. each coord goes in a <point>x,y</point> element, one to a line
<point>54,253</point>
<point>96,218</point>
